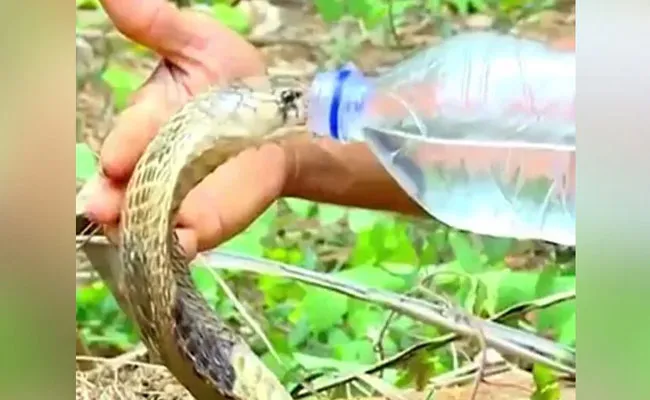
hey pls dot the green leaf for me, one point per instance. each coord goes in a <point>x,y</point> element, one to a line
<point>299,333</point>
<point>462,6</point>
<point>386,241</point>
<point>365,319</point>
<point>360,351</point>
<point>374,277</point>
<point>546,282</point>
<point>250,241</point>
<point>280,369</point>
<point>375,17</point>
<point>88,4</point>
<point>567,335</point>
<point>418,369</point>
<point>337,337</point>
<point>85,162</point>
<point>551,281</point>
<point>546,384</point>
<point>400,7</point>
<point>476,295</point>
<point>513,287</point>
<point>399,246</point>
<point>371,12</point>
<point>491,302</point>
<point>359,8</point>
<point>330,10</point>
<point>468,257</point>
<point>276,254</point>
<point>319,363</point>
<point>323,308</point>
<point>365,250</point>
<point>300,207</point>
<point>480,5</point>
<point>555,318</point>
<point>329,214</point>
<point>276,290</point>
<point>233,18</point>
<point>434,5</point>
<point>279,340</point>
<point>123,83</point>
<point>90,296</point>
<point>360,219</point>
<point>206,284</point>
<point>496,248</point>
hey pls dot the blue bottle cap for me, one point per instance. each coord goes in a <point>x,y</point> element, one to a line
<point>336,102</point>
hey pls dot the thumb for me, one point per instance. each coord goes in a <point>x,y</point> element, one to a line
<point>156,24</point>
<point>192,40</point>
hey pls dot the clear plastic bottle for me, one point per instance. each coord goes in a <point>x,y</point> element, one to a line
<point>479,130</point>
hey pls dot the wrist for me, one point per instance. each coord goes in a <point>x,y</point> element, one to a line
<point>326,171</point>
<point>296,174</point>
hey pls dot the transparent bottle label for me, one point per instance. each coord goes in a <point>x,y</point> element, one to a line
<point>522,193</point>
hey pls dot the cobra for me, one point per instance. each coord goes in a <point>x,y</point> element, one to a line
<point>175,322</point>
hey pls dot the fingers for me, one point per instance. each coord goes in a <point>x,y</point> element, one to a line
<point>191,40</point>
<point>104,206</point>
<point>221,206</point>
<point>134,129</point>
<point>233,196</point>
<point>188,240</point>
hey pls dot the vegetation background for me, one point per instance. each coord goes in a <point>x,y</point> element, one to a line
<point>312,330</point>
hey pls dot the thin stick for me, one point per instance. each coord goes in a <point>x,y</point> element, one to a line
<point>503,338</point>
<point>378,345</point>
<point>247,317</point>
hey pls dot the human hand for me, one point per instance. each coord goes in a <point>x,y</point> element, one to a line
<point>196,52</point>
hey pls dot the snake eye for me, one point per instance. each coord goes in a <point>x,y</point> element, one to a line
<point>288,96</point>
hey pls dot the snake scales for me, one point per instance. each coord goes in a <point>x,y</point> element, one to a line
<point>175,322</point>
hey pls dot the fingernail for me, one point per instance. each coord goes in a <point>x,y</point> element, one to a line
<point>87,193</point>
<point>94,201</point>
<point>188,241</point>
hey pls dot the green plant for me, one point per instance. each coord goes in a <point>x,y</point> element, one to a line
<point>318,330</point>
<point>374,13</point>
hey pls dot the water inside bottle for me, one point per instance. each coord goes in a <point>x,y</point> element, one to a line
<point>488,188</point>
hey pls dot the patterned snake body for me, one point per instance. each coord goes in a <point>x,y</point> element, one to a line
<point>175,322</point>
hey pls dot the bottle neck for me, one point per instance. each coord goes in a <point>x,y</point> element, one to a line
<point>336,104</point>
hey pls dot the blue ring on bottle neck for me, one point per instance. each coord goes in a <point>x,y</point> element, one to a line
<point>341,77</point>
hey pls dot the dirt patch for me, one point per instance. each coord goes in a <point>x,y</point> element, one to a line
<point>129,381</point>
<point>137,381</point>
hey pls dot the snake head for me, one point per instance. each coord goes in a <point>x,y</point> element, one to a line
<point>281,101</point>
